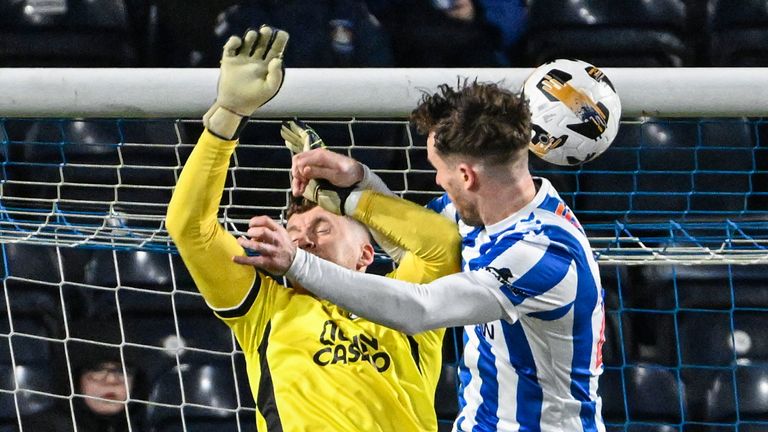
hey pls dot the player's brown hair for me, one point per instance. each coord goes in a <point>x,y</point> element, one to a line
<point>481,120</point>
<point>298,205</point>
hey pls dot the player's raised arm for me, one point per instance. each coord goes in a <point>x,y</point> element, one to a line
<point>343,185</point>
<point>251,74</point>
<point>312,163</point>
<point>432,249</point>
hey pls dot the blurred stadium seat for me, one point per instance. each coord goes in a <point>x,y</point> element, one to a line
<point>739,35</point>
<point>751,395</point>
<point>149,307</point>
<point>209,386</point>
<point>611,391</point>
<point>32,291</point>
<point>732,337</point>
<point>654,394</point>
<point>639,33</point>
<point>620,345</point>
<point>644,164</point>
<point>37,150</point>
<point>149,319</point>
<point>137,269</point>
<point>36,377</point>
<point>725,162</point>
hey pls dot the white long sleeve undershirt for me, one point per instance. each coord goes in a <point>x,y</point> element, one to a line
<point>454,300</point>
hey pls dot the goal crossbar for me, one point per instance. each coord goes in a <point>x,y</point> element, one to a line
<point>370,92</point>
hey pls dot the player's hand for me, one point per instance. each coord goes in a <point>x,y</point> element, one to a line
<point>321,176</point>
<point>337,169</point>
<point>270,241</point>
<point>251,74</point>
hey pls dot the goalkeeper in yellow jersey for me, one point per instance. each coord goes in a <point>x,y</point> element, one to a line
<point>311,365</point>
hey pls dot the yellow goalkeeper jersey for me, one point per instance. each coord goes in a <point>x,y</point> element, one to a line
<point>311,365</point>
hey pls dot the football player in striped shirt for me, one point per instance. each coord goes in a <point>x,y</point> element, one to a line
<point>529,296</point>
<point>312,366</point>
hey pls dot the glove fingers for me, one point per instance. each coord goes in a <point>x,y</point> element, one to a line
<point>265,36</point>
<point>276,49</point>
<point>292,141</point>
<point>294,146</point>
<point>299,129</point>
<point>297,126</point>
<point>275,73</point>
<point>310,139</point>
<point>295,137</point>
<point>250,39</point>
<point>232,47</point>
<point>288,134</point>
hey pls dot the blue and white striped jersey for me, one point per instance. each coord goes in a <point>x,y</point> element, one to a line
<point>538,369</point>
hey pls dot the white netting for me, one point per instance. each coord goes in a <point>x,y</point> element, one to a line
<point>106,183</point>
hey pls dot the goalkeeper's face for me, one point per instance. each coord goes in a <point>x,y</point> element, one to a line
<point>335,238</point>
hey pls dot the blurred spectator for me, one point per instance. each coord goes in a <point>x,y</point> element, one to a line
<point>440,33</point>
<point>101,385</point>
<point>73,33</point>
<point>510,17</point>
<point>324,33</point>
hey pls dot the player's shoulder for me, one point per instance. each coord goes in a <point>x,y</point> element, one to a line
<point>545,221</point>
<point>553,211</point>
<point>444,206</point>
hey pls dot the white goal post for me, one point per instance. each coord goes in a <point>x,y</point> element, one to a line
<point>365,93</point>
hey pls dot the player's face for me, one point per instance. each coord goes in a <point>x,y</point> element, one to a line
<point>106,382</point>
<point>450,177</point>
<point>326,235</point>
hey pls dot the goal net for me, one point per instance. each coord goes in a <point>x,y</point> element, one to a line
<point>676,210</point>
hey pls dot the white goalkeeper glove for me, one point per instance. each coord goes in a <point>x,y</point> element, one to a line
<point>251,74</point>
<point>299,137</point>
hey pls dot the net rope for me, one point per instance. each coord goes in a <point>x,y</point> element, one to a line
<point>82,208</point>
<point>620,197</point>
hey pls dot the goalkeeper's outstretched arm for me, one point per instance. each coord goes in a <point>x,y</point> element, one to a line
<point>251,74</point>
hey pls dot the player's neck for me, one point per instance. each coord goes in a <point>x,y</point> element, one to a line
<point>503,198</point>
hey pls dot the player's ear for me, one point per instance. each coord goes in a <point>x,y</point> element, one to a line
<point>468,175</point>
<point>366,256</point>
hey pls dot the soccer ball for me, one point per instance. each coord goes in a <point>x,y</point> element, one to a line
<point>575,111</point>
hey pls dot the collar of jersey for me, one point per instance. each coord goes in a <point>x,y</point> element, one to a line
<point>523,212</point>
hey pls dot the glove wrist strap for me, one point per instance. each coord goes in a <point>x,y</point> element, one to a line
<point>224,123</point>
